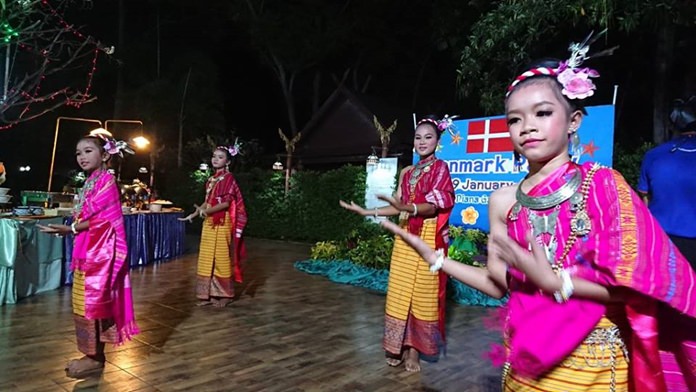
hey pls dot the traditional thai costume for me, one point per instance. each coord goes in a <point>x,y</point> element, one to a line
<point>101,293</point>
<point>592,225</point>
<point>415,296</point>
<point>222,250</point>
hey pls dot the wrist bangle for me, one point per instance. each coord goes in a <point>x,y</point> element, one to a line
<point>376,213</point>
<point>567,287</point>
<point>439,261</point>
<point>415,209</point>
<point>73,228</point>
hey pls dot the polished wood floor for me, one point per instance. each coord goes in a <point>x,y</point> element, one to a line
<point>287,331</point>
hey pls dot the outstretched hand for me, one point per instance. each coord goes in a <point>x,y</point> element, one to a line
<point>533,264</point>
<point>417,243</point>
<point>352,207</point>
<point>189,217</point>
<point>394,202</point>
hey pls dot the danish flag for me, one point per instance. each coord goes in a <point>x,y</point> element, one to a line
<point>489,135</point>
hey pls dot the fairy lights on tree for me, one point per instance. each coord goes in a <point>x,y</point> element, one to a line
<point>45,62</point>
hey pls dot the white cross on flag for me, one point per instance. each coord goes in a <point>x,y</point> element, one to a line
<point>489,135</point>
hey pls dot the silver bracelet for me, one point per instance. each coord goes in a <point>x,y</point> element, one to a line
<point>415,209</point>
<point>376,214</point>
<point>439,261</point>
<point>73,228</point>
<point>567,287</point>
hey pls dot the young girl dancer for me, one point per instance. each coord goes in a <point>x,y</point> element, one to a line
<point>101,292</point>
<point>414,320</point>
<point>221,250</point>
<point>595,285</point>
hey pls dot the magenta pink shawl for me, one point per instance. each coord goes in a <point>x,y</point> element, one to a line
<point>101,253</point>
<point>626,248</point>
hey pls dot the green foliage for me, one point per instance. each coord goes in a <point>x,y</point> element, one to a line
<point>627,162</point>
<point>327,250</point>
<point>374,252</point>
<point>514,32</point>
<point>466,244</point>
<point>310,210</point>
<point>367,245</point>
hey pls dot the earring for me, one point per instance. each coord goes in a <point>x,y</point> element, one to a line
<point>518,161</point>
<point>575,149</point>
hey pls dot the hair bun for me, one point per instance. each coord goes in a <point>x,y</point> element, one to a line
<point>683,114</point>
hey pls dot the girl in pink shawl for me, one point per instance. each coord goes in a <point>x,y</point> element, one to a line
<point>102,301</point>
<point>600,299</point>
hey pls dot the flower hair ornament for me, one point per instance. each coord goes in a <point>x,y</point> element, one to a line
<point>111,145</point>
<point>234,149</point>
<point>444,124</point>
<point>576,81</point>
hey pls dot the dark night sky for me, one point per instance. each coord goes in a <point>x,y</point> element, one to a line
<point>252,100</point>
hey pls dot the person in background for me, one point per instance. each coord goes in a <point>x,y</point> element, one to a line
<point>668,180</point>
<point>414,319</point>
<point>599,298</point>
<point>221,250</point>
<point>101,293</point>
<point>2,173</point>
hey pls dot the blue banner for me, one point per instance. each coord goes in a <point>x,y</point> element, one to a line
<point>479,155</point>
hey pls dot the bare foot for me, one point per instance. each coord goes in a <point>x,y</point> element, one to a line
<point>80,368</point>
<point>222,302</point>
<point>412,361</point>
<point>394,362</point>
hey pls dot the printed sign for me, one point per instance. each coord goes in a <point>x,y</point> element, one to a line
<point>479,155</point>
<point>381,180</point>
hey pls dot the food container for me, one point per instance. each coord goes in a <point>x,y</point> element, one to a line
<point>4,191</point>
<point>5,199</point>
<point>155,207</point>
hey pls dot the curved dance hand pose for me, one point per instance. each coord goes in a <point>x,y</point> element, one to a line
<point>414,320</point>
<point>595,284</point>
<point>222,248</point>
<point>101,292</point>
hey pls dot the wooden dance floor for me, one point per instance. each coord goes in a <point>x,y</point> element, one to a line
<point>287,331</point>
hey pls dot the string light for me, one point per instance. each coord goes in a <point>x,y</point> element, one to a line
<point>31,94</point>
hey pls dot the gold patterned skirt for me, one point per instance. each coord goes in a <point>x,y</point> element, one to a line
<point>214,270</point>
<point>599,364</point>
<point>90,333</point>
<point>412,305</point>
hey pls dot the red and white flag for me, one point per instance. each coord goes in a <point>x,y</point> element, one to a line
<point>489,135</point>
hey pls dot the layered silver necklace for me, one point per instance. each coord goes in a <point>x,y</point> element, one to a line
<point>546,223</point>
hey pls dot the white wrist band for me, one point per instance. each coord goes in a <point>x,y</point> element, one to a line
<point>73,228</point>
<point>567,287</point>
<point>439,261</point>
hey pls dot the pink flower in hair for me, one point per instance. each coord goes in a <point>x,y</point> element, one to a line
<point>233,150</point>
<point>111,147</point>
<point>576,82</point>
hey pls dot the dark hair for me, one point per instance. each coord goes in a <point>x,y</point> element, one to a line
<point>431,120</point>
<point>573,104</point>
<point>226,151</point>
<point>683,114</point>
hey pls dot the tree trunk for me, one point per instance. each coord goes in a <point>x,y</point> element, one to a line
<point>664,54</point>
<point>179,158</point>
<point>118,103</point>
<point>316,91</point>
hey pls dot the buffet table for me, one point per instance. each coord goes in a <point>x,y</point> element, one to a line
<point>32,262</point>
<point>152,237</point>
